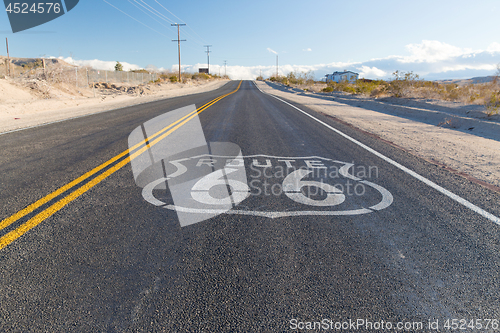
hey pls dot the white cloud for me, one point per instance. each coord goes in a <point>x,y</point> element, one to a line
<point>493,47</point>
<point>433,51</point>
<point>271,50</point>
<point>479,67</point>
<point>100,64</point>
<point>430,60</point>
<point>307,50</point>
<point>371,72</point>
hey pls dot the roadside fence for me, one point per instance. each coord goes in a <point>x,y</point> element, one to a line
<point>85,77</point>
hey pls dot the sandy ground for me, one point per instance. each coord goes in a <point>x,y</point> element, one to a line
<point>465,141</point>
<point>460,137</point>
<point>20,107</point>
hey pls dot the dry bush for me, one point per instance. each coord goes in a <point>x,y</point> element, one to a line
<point>492,104</point>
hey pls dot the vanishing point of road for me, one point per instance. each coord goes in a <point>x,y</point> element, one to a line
<point>395,240</point>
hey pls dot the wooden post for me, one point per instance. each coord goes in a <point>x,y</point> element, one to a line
<point>8,56</point>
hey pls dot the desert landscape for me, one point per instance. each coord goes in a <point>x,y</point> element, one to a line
<point>216,166</point>
<point>460,136</point>
<point>30,99</point>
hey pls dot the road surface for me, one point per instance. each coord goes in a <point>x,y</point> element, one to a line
<point>309,244</point>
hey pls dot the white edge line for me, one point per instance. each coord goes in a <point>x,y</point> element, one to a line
<point>426,181</point>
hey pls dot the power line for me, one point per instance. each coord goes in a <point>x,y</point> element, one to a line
<point>163,17</point>
<point>134,18</point>
<point>147,7</point>
<point>169,12</point>
<point>148,14</point>
<point>153,11</point>
<point>197,41</point>
<point>157,13</point>
<point>201,41</point>
<point>201,38</point>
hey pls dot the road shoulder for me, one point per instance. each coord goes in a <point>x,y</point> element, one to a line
<point>34,112</point>
<point>466,154</point>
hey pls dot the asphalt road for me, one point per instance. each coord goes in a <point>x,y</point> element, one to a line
<point>107,260</point>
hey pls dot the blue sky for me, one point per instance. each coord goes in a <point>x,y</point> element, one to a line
<point>436,39</point>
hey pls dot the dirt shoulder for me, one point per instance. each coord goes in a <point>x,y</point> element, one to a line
<point>474,152</point>
<point>23,106</point>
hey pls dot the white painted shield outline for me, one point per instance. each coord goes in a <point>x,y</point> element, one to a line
<point>386,201</point>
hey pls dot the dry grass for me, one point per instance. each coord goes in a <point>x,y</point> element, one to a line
<point>62,79</point>
<point>408,85</point>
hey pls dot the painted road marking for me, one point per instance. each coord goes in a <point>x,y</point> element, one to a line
<point>288,176</point>
<point>412,173</point>
<point>37,219</point>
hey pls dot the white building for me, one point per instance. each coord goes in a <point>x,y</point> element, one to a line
<point>338,77</point>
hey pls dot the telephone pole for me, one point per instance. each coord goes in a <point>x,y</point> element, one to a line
<point>178,40</point>
<point>276,66</point>
<point>208,56</point>
<point>225,63</point>
<point>8,56</point>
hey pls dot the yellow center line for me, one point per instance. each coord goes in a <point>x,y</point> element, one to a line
<point>37,219</point>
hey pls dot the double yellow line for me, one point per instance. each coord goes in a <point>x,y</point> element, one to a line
<point>49,211</point>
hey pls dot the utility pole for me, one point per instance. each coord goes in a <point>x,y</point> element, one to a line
<point>276,66</point>
<point>225,63</point>
<point>8,56</point>
<point>178,40</point>
<point>208,56</point>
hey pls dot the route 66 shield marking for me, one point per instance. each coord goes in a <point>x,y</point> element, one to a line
<point>331,197</point>
<point>200,180</point>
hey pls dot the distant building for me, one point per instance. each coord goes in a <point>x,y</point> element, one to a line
<point>338,77</point>
<point>203,70</point>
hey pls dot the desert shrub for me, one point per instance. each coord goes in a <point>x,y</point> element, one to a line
<point>38,63</point>
<point>200,76</point>
<point>366,87</point>
<point>349,89</point>
<point>327,89</point>
<point>259,78</point>
<point>164,76</point>
<point>284,80</point>
<point>403,83</point>
<point>173,78</point>
<point>376,92</point>
<point>492,104</point>
<point>118,67</point>
<point>301,78</point>
<point>453,93</point>
<point>139,71</point>
<point>292,78</point>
